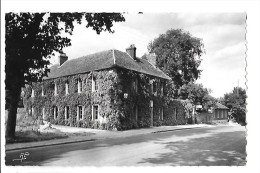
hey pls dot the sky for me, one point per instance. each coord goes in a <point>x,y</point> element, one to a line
<point>223,35</point>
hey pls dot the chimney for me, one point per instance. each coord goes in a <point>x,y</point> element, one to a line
<point>131,51</point>
<point>151,58</point>
<point>62,58</point>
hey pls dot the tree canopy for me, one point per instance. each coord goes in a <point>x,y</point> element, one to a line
<point>178,54</point>
<point>236,102</point>
<point>30,40</point>
<point>197,94</point>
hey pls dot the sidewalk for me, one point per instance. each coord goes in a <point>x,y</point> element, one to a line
<point>99,135</point>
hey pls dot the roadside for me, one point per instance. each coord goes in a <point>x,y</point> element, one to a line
<point>94,134</point>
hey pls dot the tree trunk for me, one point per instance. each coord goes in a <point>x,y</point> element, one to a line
<point>13,99</point>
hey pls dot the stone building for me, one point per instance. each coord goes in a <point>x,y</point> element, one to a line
<point>107,90</point>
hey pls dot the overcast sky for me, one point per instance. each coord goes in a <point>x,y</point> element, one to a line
<point>223,35</point>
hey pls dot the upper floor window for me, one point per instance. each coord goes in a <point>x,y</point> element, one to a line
<point>95,113</point>
<point>31,111</point>
<point>94,84</point>
<point>154,87</point>
<point>43,92</point>
<point>162,88</point>
<point>80,113</point>
<point>135,84</point>
<point>79,86</point>
<point>32,95</point>
<point>55,89</point>
<point>67,88</point>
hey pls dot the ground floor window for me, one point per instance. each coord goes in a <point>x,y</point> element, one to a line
<point>80,112</point>
<point>160,113</point>
<point>67,115</point>
<point>55,112</point>
<point>95,112</point>
<point>175,113</point>
<point>43,113</point>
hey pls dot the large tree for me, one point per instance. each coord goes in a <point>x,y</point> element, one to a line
<point>178,54</point>
<point>236,102</point>
<point>30,40</point>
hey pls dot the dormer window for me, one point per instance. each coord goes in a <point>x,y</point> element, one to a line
<point>94,84</point>
<point>79,86</point>
<point>67,88</point>
<point>55,89</point>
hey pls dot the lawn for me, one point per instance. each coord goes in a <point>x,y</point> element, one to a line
<point>27,130</point>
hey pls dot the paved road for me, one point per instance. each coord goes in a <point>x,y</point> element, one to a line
<point>220,146</point>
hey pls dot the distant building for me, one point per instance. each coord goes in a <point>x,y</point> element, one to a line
<point>220,112</point>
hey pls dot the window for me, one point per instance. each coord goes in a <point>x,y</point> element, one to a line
<point>175,113</point>
<point>160,113</point>
<point>80,113</point>
<point>32,95</point>
<point>95,112</point>
<point>154,87</point>
<point>67,109</point>
<point>162,88</point>
<point>55,89</point>
<point>55,112</point>
<point>79,86</point>
<point>151,86</point>
<point>43,113</point>
<point>67,88</point>
<point>31,111</point>
<point>94,84</point>
<point>135,85</point>
<point>43,93</point>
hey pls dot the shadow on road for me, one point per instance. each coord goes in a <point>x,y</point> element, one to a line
<point>195,152</point>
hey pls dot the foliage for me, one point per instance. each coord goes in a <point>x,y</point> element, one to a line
<point>117,112</point>
<point>30,40</point>
<point>197,94</point>
<point>178,55</point>
<point>236,102</point>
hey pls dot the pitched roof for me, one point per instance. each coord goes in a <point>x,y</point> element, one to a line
<point>104,60</point>
<point>220,106</point>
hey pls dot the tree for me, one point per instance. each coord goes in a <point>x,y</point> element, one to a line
<point>197,94</point>
<point>30,40</point>
<point>178,55</point>
<point>236,102</point>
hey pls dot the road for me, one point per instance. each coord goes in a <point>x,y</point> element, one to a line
<point>216,146</point>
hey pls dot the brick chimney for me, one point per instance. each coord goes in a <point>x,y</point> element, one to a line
<point>131,51</point>
<point>62,58</point>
